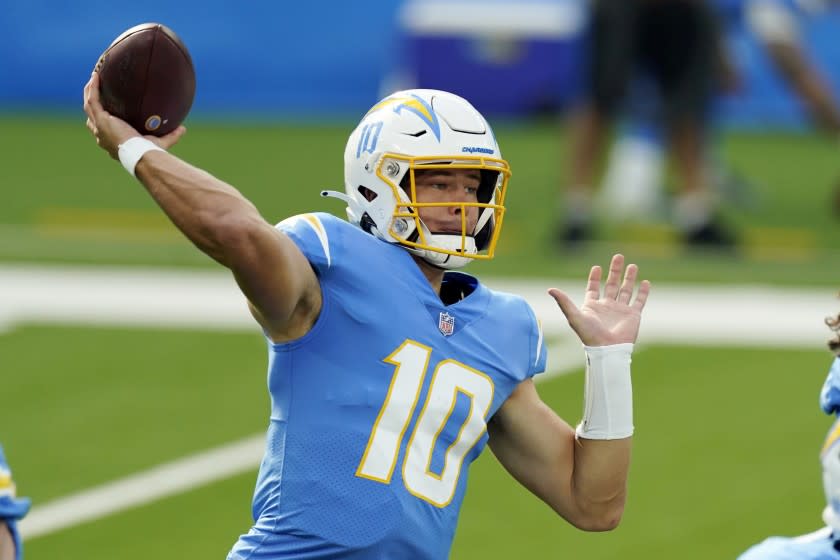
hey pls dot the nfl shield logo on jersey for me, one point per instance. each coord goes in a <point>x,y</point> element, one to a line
<point>446,323</point>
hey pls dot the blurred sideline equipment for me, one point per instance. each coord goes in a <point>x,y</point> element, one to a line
<point>631,187</point>
<point>147,79</point>
<point>531,48</point>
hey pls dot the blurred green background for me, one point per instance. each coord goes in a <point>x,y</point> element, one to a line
<point>78,208</point>
<point>727,438</point>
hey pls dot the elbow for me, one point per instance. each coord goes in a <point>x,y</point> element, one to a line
<point>606,521</point>
<point>599,518</point>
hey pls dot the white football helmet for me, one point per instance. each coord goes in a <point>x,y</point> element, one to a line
<point>830,459</point>
<point>423,129</point>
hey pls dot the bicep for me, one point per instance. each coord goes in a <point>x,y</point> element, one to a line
<point>280,284</point>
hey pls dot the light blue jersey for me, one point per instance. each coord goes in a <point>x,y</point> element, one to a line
<point>830,393</point>
<point>378,411</point>
<point>12,508</point>
<point>815,546</point>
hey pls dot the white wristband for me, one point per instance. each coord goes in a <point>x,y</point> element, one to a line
<point>132,150</point>
<point>608,393</point>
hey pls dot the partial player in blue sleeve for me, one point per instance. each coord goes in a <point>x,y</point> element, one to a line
<point>389,371</point>
<point>830,394</point>
<point>823,544</point>
<point>12,509</point>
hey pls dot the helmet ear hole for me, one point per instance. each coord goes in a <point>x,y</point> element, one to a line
<point>369,195</point>
<point>366,223</point>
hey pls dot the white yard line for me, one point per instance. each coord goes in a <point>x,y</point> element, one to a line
<point>696,315</point>
<point>145,487</point>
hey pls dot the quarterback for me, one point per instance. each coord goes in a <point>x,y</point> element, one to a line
<point>388,370</point>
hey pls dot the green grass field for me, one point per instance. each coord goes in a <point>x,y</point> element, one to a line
<point>726,446</point>
<point>727,439</point>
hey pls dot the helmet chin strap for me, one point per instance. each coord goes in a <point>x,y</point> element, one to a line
<point>448,242</point>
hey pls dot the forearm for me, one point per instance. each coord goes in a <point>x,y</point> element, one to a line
<point>599,478</point>
<point>583,480</point>
<point>603,438</point>
<point>208,211</point>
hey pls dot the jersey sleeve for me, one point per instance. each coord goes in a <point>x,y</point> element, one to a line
<point>785,548</point>
<point>830,393</point>
<point>537,353</point>
<point>11,507</point>
<point>318,236</point>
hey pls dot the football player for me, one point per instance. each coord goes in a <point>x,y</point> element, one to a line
<point>388,370</point>
<point>823,544</point>
<point>12,509</point>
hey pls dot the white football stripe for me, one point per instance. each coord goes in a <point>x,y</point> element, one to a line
<point>313,222</point>
<point>145,487</point>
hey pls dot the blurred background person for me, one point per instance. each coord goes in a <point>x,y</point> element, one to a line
<point>634,181</point>
<point>12,509</point>
<point>777,24</point>
<point>677,44</point>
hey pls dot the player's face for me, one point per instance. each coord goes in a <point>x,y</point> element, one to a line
<point>448,185</point>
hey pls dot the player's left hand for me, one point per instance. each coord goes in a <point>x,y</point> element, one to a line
<point>609,318</point>
<point>111,131</point>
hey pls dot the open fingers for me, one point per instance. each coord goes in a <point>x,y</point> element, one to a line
<point>626,290</point>
<point>593,285</point>
<point>614,276</point>
<point>642,296</point>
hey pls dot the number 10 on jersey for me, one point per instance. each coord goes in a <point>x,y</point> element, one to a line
<point>449,379</point>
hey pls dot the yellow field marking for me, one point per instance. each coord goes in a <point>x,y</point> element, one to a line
<point>117,224</point>
<point>780,244</point>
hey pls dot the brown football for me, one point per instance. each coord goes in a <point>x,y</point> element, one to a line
<point>146,78</point>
